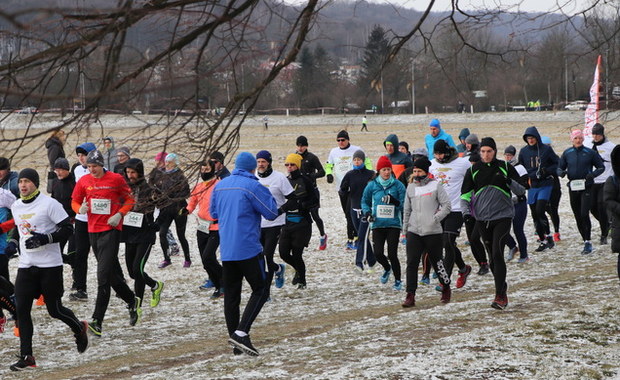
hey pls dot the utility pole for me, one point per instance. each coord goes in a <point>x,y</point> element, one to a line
<point>413,86</point>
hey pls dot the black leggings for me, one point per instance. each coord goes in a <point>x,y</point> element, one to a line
<point>416,246</point>
<point>136,256</point>
<point>541,223</point>
<point>29,284</point>
<point>580,204</point>
<point>494,236</point>
<point>6,291</point>
<point>314,212</point>
<point>554,205</point>
<point>475,241</point>
<point>82,249</point>
<point>379,238</point>
<point>269,237</point>
<point>598,208</point>
<point>292,249</point>
<point>345,203</point>
<point>208,243</point>
<point>165,219</point>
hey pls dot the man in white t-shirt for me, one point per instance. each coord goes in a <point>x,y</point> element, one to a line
<point>41,223</point>
<point>339,162</point>
<point>280,187</point>
<point>603,146</point>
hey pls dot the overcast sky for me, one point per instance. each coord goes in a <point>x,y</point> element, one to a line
<point>567,6</point>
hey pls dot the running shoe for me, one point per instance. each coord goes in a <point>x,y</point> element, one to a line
<point>2,324</point>
<point>81,338</point>
<point>556,236</point>
<point>484,269</point>
<point>95,328</point>
<point>243,343</point>
<point>323,242</point>
<point>280,276</point>
<point>603,240</point>
<point>523,260</point>
<point>398,285</point>
<point>511,253</point>
<point>187,264</point>
<point>78,295</point>
<point>207,285</point>
<point>587,248</point>
<point>541,247</point>
<point>164,264</point>
<point>409,300</point>
<point>462,280</point>
<point>219,293</point>
<point>500,302</point>
<point>550,243</point>
<point>446,294</point>
<point>439,288</point>
<point>135,311</point>
<point>425,281</point>
<point>24,362</point>
<point>350,245</point>
<point>385,276</point>
<point>359,270</point>
<point>295,280</point>
<point>301,285</point>
<point>156,296</point>
<point>40,301</point>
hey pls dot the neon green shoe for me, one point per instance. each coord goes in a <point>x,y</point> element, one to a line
<point>157,294</point>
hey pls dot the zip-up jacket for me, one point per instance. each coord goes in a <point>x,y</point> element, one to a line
<point>426,204</point>
<point>539,160</point>
<point>62,190</point>
<point>577,163</point>
<point>486,193</point>
<point>237,202</point>
<point>311,166</point>
<point>201,197</point>
<point>371,202</point>
<point>299,205</point>
<point>400,161</point>
<point>353,185</point>
<point>430,141</point>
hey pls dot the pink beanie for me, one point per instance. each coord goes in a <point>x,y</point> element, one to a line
<point>161,156</point>
<point>576,133</point>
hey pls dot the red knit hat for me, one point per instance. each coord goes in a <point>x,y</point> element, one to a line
<point>384,162</point>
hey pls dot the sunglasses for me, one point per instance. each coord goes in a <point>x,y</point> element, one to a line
<point>341,140</point>
<point>290,165</point>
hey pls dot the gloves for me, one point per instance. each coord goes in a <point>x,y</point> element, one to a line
<point>390,200</point>
<point>37,240</point>
<point>541,173</point>
<point>330,178</point>
<point>468,218</point>
<point>11,249</point>
<point>403,239</point>
<point>84,208</point>
<point>368,218</point>
<point>115,219</point>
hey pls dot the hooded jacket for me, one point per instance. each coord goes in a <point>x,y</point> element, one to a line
<point>144,204</point>
<point>109,157</point>
<point>539,160</point>
<point>54,150</point>
<point>372,200</point>
<point>462,135</point>
<point>426,204</point>
<point>430,141</point>
<point>62,190</point>
<point>400,161</point>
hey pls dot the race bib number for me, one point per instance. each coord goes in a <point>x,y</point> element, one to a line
<point>578,184</point>
<point>203,225</point>
<point>385,211</point>
<point>133,219</point>
<point>100,206</point>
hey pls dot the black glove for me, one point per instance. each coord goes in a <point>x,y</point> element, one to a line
<point>390,200</point>
<point>330,178</point>
<point>541,173</point>
<point>368,218</point>
<point>468,218</point>
<point>183,212</point>
<point>11,249</point>
<point>280,211</point>
<point>37,240</point>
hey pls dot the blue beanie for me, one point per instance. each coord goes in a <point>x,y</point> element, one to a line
<point>245,161</point>
<point>265,155</point>
<point>435,123</point>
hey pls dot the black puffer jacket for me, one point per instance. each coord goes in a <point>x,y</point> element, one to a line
<point>611,197</point>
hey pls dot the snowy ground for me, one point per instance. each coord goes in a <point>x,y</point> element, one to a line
<point>561,322</point>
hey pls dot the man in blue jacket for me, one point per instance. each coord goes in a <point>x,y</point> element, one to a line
<point>541,164</point>
<point>238,202</point>
<point>436,134</point>
<point>577,161</point>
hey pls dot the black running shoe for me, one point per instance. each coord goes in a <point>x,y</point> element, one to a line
<point>79,295</point>
<point>95,328</point>
<point>484,269</point>
<point>81,338</point>
<point>24,362</point>
<point>237,351</point>
<point>542,247</point>
<point>243,343</point>
<point>135,311</point>
<point>296,279</point>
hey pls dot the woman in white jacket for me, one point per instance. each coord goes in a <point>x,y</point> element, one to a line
<point>426,204</point>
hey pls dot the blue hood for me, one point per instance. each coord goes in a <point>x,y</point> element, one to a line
<point>532,131</point>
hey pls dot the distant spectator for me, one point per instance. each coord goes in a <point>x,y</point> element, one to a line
<point>109,154</point>
<point>54,146</point>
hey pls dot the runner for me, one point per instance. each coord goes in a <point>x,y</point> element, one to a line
<point>449,170</point>
<point>105,197</point>
<point>238,202</point>
<point>281,189</point>
<point>154,175</point>
<point>604,147</point>
<point>436,134</point>
<point>426,205</point>
<point>553,206</point>
<point>207,232</point>
<point>541,164</point>
<point>520,204</point>
<point>382,205</point>
<point>400,161</point>
<point>491,181</point>
<point>312,168</point>
<point>353,185</point>
<point>611,198</point>
<point>139,229</point>
<point>297,230</point>
<point>577,162</point>
<point>41,223</point>
<point>62,189</point>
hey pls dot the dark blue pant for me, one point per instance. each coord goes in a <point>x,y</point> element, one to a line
<point>517,227</point>
<point>364,247</point>
<point>207,244</point>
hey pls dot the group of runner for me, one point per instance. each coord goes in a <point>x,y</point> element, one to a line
<point>420,199</point>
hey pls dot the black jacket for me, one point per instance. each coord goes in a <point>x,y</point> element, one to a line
<point>144,196</point>
<point>54,150</point>
<point>62,190</point>
<point>311,166</point>
<point>611,197</point>
<point>354,183</point>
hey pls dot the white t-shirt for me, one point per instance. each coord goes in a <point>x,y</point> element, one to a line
<point>279,186</point>
<point>451,176</point>
<point>6,198</point>
<point>604,150</point>
<point>78,173</point>
<point>41,216</point>
<point>343,162</point>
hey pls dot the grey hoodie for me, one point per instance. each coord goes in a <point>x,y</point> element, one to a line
<point>423,199</point>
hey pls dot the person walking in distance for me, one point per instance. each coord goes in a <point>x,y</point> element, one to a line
<point>364,123</point>
<point>541,163</point>
<point>139,229</point>
<point>426,205</point>
<point>577,162</point>
<point>486,192</point>
<point>238,202</point>
<point>281,189</point>
<point>311,167</point>
<point>41,223</point>
<point>106,198</point>
<point>603,147</point>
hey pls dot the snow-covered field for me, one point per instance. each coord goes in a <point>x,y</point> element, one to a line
<point>561,322</point>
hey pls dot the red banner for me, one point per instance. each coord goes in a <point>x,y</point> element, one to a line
<point>591,116</point>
